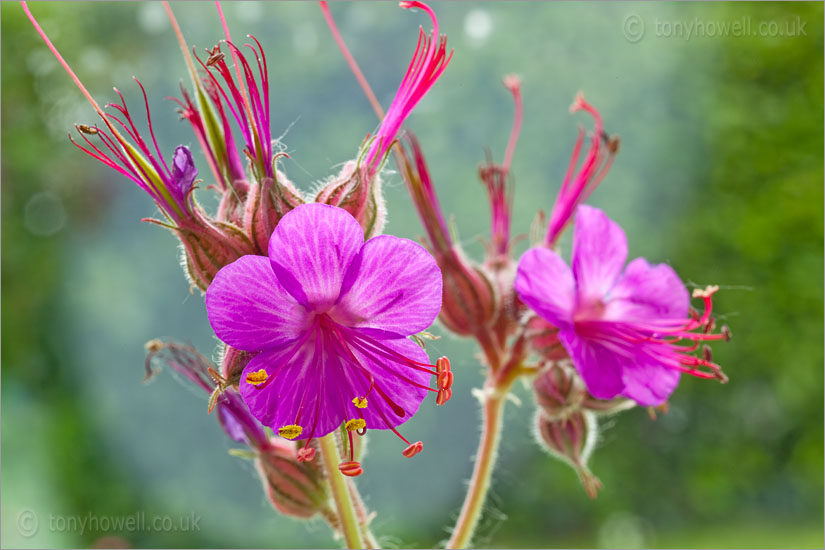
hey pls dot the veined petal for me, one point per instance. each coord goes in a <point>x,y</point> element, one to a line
<point>600,368</point>
<point>249,309</point>
<point>545,283</point>
<point>599,253</point>
<point>310,251</point>
<point>392,285</point>
<point>649,384</point>
<point>647,292</point>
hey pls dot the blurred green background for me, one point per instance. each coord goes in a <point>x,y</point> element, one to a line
<point>720,174</point>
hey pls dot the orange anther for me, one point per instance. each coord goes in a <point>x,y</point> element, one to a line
<point>351,468</point>
<point>444,380</point>
<point>443,396</point>
<point>442,365</point>
<point>413,449</point>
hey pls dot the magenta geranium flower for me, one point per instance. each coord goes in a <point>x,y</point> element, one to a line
<point>621,329</point>
<point>330,315</point>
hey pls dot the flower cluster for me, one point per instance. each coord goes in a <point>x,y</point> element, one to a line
<point>317,335</point>
<point>322,318</point>
<point>254,194</point>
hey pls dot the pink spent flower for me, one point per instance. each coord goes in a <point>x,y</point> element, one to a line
<point>621,329</point>
<point>330,315</point>
<point>428,62</point>
<point>170,186</point>
<point>577,186</point>
<point>247,101</point>
<point>496,177</point>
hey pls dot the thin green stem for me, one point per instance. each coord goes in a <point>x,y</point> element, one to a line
<point>492,413</point>
<point>499,380</point>
<point>348,522</point>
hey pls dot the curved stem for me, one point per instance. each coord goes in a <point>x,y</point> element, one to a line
<point>492,413</point>
<point>340,494</point>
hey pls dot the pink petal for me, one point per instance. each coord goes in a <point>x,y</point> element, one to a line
<point>305,389</point>
<point>545,284</point>
<point>392,285</point>
<point>599,253</point>
<point>600,368</point>
<point>314,384</point>
<point>649,384</point>
<point>647,292</point>
<point>249,309</point>
<point>394,380</point>
<point>311,249</point>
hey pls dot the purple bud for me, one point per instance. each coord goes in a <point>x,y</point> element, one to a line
<point>184,173</point>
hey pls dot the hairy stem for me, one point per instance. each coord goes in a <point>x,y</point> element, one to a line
<point>494,396</point>
<point>492,412</point>
<point>348,522</point>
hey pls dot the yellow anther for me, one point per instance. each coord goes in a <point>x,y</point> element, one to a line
<point>258,377</point>
<point>290,432</point>
<point>360,402</point>
<point>356,424</point>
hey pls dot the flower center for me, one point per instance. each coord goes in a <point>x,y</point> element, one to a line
<point>360,355</point>
<point>589,310</point>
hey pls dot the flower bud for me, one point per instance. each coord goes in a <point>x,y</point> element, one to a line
<point>231,205</point>
<point>208,246</point>
<point>266,203</point>
<point>233,363</point>
<point>571,440</point>
<point>544,339</point>
<point>559,391</point>
<point>510,308</point>
<point>296,489</point>
<point>469,302</point>
<point>354,191</point>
